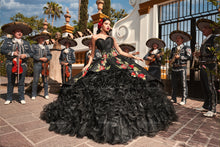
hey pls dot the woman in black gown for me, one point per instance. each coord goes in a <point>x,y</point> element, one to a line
<point>113,99</point>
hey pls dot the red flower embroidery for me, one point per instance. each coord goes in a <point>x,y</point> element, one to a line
<point>133,74</point>
<point>101,68</point>
<point>84,74</point>
<point>102,62</point>
<point>141,76</point>
<point>114,53</point>
<point>117,62</point>
<point>104,56</point>
<point>123,66</point>
<point>132,66</point>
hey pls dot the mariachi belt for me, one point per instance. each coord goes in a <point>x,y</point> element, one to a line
<point>179,65</point>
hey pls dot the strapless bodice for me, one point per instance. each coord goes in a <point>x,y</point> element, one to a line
<point>104,44</point>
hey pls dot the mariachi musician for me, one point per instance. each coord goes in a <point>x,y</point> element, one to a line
<point>208,61</point>
<point>97,55</point>
<point>17,51</point>
<point>128,48</point>
<point>67,57</point>
<point>154,56</point>
<point>179,56</point>
<point>41,56</point>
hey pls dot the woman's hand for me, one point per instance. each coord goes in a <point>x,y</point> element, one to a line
<point>138,58</point>
<point>85,68</point>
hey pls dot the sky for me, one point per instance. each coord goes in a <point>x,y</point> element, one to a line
<point>28,8</point>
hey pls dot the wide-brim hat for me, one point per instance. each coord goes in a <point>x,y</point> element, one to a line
<point>159,42</point>
<point>86,41</point>
<point>41,35</point>
<point>186,37</point>
<point>11,27</point>
<point>67,39</point>
<point>127,46</point>
<point>201,23</point>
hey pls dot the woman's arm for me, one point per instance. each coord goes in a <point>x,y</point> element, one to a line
<point>120,51</point>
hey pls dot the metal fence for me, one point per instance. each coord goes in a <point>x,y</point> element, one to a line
<point>182,15</point>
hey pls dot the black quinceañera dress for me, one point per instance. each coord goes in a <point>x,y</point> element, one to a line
<point>114,101</point>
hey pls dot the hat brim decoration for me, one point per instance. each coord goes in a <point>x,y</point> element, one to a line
<point>159,42</point>
<point>67,39</point>
<point>41,35</point>
<point>201,23</point>
<point>86,41</point>
<point>11,27</point>
<point>186,37</point>
<point>127,46</point>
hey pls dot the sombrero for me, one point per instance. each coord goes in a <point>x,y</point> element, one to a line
<point>86,41</point>
<point>186,37</point>
<point>127,46</point>
<point>10,27</point>
<point>201,23</point>
<point>67,39</point>
<point>41,35</point>
<point>159,42</point>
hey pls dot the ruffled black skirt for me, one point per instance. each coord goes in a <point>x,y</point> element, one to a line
<point>110,106</point>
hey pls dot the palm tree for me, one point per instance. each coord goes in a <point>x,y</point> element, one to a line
<point>53,10</point>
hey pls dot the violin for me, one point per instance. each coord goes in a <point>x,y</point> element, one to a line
<point>17,69</point>
<point>67,72</point>
<point>45,69</point>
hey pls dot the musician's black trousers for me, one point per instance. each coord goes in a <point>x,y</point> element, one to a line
<point>208,87</point>
<point>11,81</point>
<point>37,72</point>
<point>177,76</point>
<point>155,71</point>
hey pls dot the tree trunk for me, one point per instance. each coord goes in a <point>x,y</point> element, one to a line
<point>52,21</point>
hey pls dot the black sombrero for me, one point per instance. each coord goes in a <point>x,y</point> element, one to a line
<point>41,35</point>
<point>127,46</point>
<point>159,42</point>
<point>201,23</point>
<point>67,39</point>
<point>10,27</point>
<point>86,41</point>
<point>186,37</point>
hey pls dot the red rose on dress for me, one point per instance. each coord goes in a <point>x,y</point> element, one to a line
<point>123,66</point>
<point>132,66</point>
<point>141,76</point>
<point>104,56</point>
<point>117,62</point>
<point>101,68</point>
<point>114,53</point>
<point>133,74</point>
<point>84,74</point>
<point>102,62</point>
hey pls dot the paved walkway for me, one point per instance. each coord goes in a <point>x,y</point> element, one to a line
<point>20,126</point>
